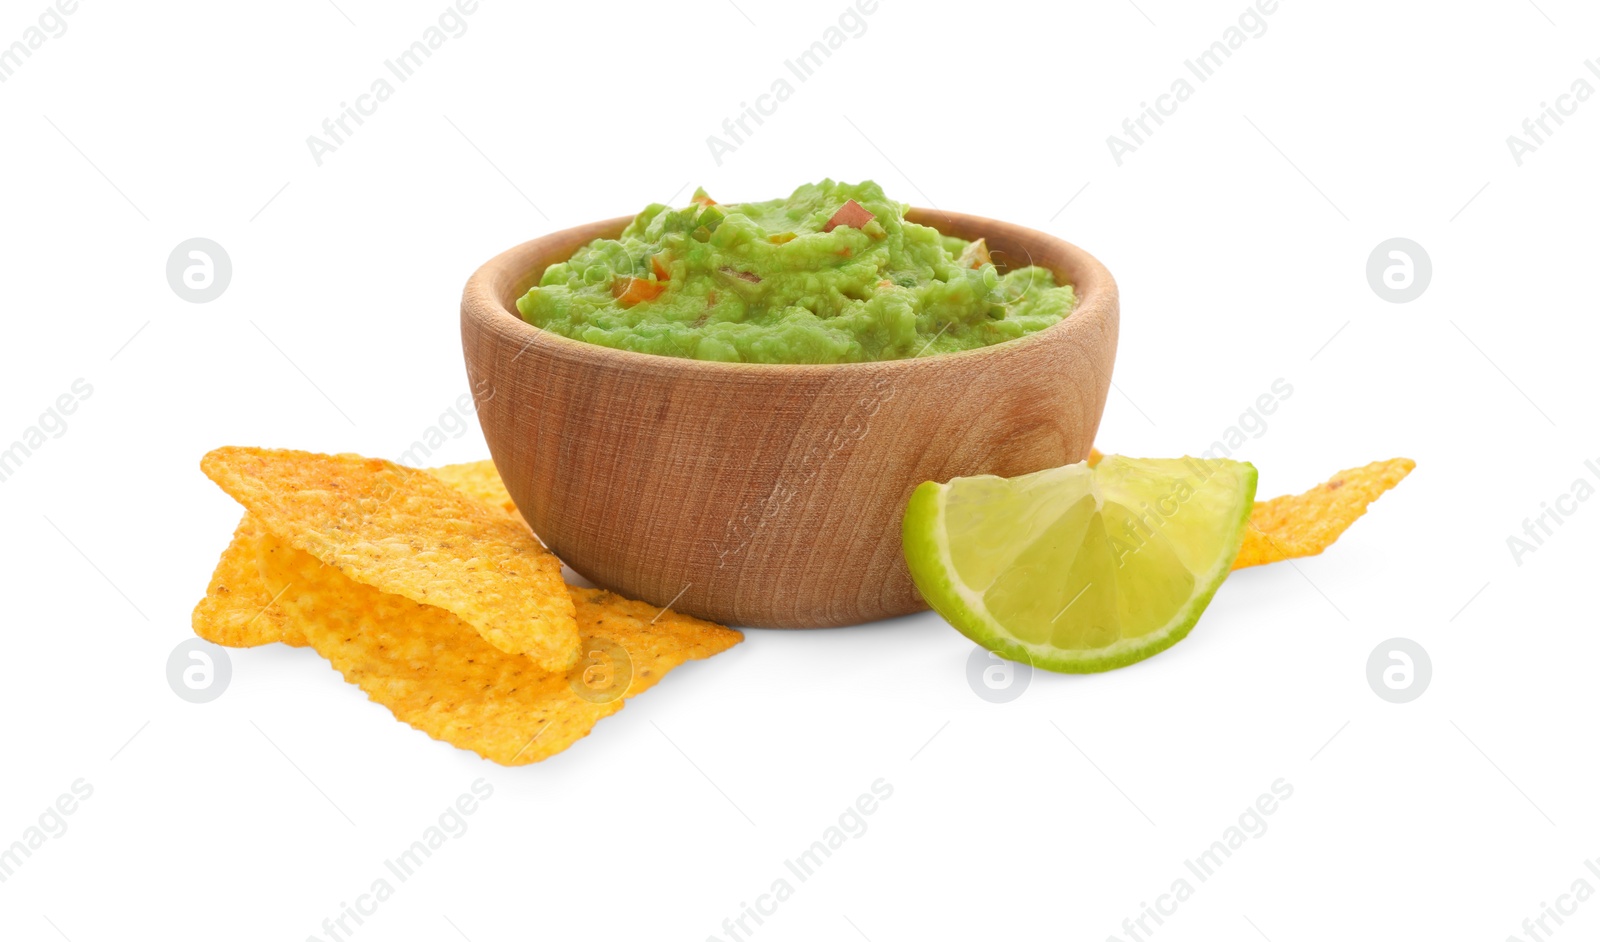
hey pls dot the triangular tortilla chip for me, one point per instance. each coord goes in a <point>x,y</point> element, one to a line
<point>1297,525</point>
<point>406,533</point>
<point>478,480</point>
<point>435,673</point>
<point>238,611</point>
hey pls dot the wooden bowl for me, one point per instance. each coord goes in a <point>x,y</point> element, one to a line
<point>769,495</point>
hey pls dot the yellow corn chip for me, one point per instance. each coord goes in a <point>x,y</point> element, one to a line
<point>1306,524</point>
<point>238,611</point>
<point>408,534</point>
<point>478,480</point>
<point>435,673</point>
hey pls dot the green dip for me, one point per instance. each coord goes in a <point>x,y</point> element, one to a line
<point>770,283</point>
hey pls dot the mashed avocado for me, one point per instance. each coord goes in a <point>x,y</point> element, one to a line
<point>833,274</point>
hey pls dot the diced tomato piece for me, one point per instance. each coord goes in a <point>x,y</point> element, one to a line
<point>658,265</point>
<point>851,214</point>
<point>700,196</point>
<point>630,291</point>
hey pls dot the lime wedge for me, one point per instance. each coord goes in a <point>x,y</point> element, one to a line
<point>1080,569</point>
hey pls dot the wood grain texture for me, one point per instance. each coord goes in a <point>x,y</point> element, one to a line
<point>770,495</point>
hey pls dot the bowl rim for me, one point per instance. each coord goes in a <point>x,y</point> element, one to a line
<point>1098,307</point>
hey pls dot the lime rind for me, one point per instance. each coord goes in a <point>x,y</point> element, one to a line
<point>928,552</point>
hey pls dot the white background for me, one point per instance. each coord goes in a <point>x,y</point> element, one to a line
<point>1239,234</point>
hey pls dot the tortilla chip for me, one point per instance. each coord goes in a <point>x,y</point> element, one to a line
<point>478,480</point>
<point>434,672</point>
<point>406,533</point>
<point>238,611</point>
<point>1299,525</point>
<point>656,639</point>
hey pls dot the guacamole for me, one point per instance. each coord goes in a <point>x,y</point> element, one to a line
<point>832,274</point>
